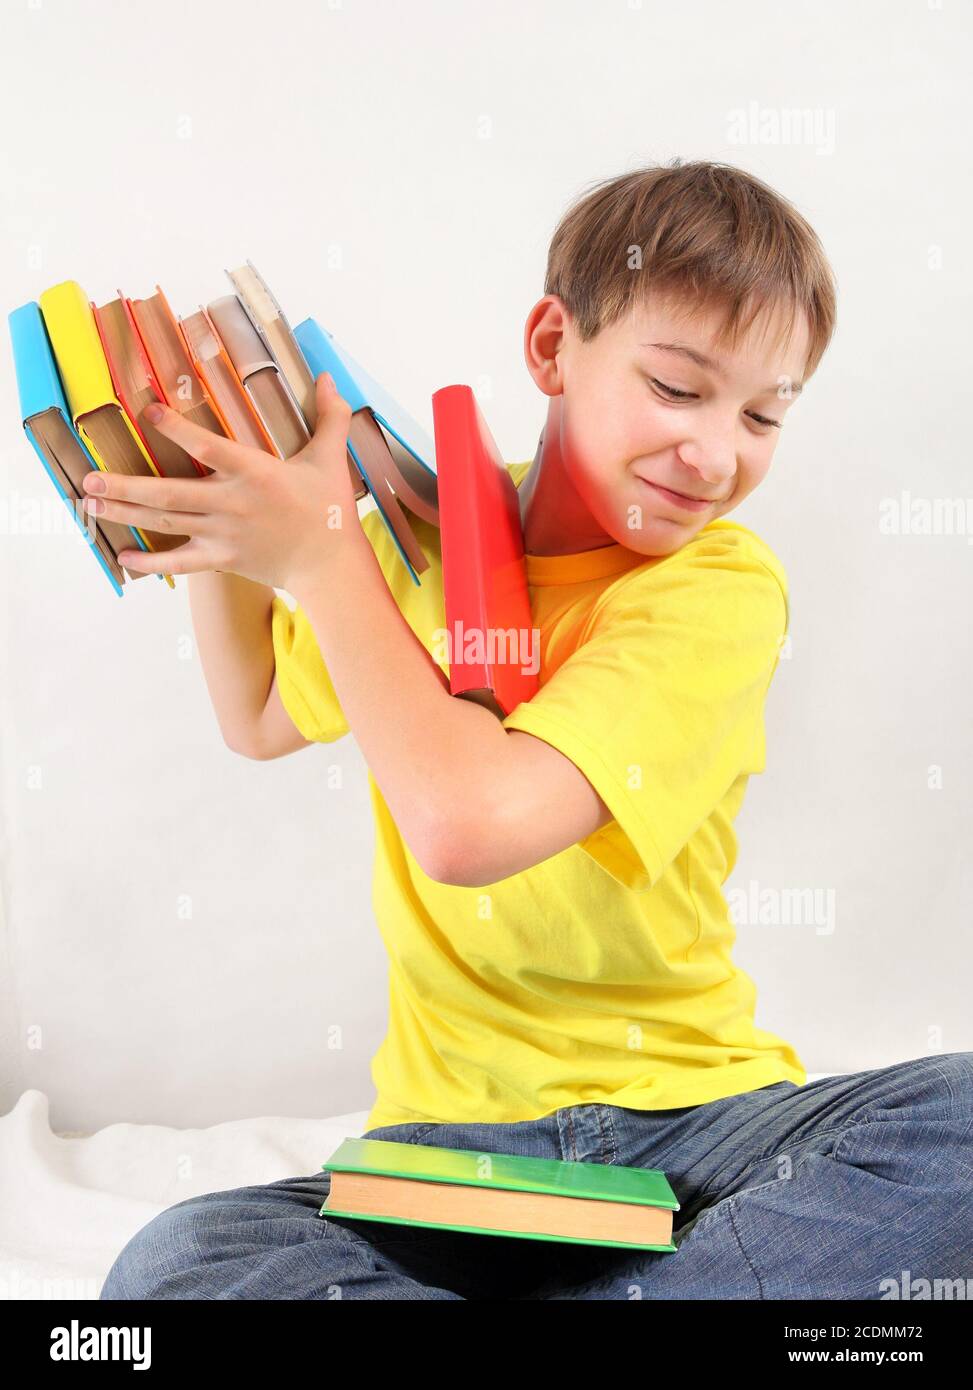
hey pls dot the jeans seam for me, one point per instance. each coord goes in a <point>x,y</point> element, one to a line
<point>572,1142</point>
<point>605,1114</point>
<point>736,1237</point>
<point>727,1206</point>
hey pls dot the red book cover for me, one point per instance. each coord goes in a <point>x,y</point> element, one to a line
<point>491,643</point>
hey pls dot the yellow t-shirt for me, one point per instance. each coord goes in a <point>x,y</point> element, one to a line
<point>603,973</point>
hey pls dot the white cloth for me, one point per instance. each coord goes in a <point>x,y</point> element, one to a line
<point>70,1202</point>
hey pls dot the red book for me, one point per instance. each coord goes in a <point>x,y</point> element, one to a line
<point>493,648</point>
<point>136,385</point>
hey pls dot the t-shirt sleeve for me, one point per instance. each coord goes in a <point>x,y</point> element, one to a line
<point>661,705</point>
<point>305,687</point>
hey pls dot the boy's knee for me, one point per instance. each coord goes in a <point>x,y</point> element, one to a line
<point>149,1256</point>
<point>956,1069</point>
<point>937,1087</point>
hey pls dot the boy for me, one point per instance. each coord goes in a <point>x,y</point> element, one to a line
<point>549,887</point>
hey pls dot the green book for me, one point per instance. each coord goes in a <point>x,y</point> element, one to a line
<point>501,1194</point>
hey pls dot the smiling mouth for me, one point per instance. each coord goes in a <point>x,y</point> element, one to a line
<point>680,499</point>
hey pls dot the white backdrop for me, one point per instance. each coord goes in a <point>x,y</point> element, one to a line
<point>186,936</point>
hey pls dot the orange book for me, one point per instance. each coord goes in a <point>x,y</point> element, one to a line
<point>173,371</point>
<point>226,391</point>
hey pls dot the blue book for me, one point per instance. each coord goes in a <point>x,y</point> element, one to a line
<point>394,455</point>
<point>48,425</point>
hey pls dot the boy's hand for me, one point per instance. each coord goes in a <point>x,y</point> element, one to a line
<point>276,521</point>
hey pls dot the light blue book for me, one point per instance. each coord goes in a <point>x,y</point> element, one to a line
<point>48,425</point>
<point>403,455</point>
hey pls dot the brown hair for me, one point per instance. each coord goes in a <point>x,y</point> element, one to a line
<point>705,233</point>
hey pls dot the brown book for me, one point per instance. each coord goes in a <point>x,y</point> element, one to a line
<point>264,384</point>
<point>117,448</point>
<point>55,439</point>
<point>370,442</point>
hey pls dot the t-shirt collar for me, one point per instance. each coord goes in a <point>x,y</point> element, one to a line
<point>586,564</point>
<point>580,566</point>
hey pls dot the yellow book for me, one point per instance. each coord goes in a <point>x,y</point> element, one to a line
<point>98,415</point>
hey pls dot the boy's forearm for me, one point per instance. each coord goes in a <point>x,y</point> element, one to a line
<point>231,621</point>
<point>430,753</point>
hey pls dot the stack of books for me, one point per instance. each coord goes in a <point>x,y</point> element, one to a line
<point>501,1194</point>
<point>86,372</point>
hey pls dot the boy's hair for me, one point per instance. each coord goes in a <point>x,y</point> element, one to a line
<point>701,234</point>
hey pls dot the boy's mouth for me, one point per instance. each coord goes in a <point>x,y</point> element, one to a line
<point>678,499</point>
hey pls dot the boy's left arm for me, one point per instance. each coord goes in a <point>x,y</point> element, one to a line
<point>475,802</point>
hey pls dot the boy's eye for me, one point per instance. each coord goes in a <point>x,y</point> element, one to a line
<point>671,390</point>
<point>675,394</point>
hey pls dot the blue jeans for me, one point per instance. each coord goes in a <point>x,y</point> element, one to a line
<point>849,1187</point>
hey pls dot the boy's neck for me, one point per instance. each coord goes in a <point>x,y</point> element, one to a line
<point>554,518</point>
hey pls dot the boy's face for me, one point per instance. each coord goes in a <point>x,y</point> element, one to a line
<point>622,437</point>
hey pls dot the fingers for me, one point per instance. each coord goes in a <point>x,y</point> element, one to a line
<point>164,494</point>
<point>191,558</point>
<point>212,450</point>
<point>173,523</point>
<point>330,436</point>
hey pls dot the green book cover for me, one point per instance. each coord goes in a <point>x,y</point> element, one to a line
<point>603,1182</point>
